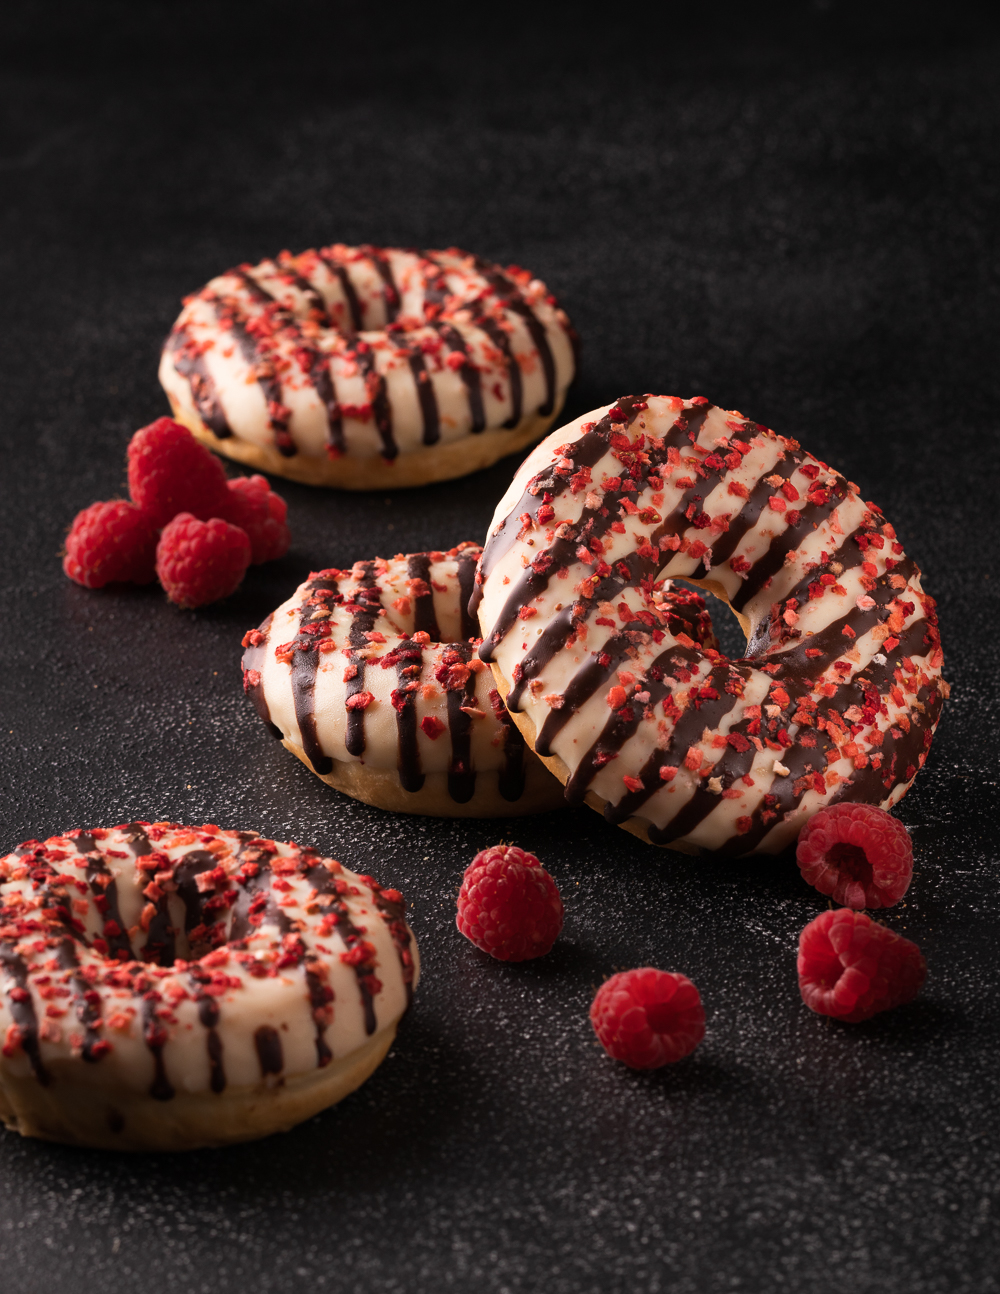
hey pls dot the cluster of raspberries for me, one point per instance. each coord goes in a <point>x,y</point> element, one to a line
<point>185,524</point>
<point>849,966</point>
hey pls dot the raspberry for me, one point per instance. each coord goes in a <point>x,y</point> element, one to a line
<point>851,967</point>
<point>509,905</point>
<point>647,1017</point>
<point>109,542</point>
<point>858,854</point>
<point>170,472</point>
<point>255,508</point>
<point>201,561</point>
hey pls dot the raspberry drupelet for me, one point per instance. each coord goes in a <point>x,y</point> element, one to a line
<point>858,854</point>
<point>851,968</point>
<point>201,561</point>
<point>254,507</point>
<point>170,472</point>
<point>647,1017</point>
<point>509,905</point>
<point>110,543</point>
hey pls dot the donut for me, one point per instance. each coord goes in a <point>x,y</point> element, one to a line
<point>166,987</point>
<point>368,367</point>
<point>370,676</point>
<point>840,690</point>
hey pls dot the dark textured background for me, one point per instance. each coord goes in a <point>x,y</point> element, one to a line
<point>792,210</point>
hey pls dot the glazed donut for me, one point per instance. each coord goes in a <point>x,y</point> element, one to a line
<point>166,987</point>
<point>370,676</point>
<point>840,690</point>
<point>368,367</point>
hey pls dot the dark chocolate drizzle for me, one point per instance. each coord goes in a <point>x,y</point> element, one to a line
<point>190,363</point>
<point>347,287</point>
<point>305,663</point>
<point>461,774</point>
<point>270,1052</point>
<point>22,1009</point>
<point>363,622</point>
<point>426,397</point>
<point>208,1015</point>
<point>418,567</point>
<point>469,375</point>
<point>325,883</point>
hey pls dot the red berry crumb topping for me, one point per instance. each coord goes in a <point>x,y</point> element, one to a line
<point>109,542</point>
<point>201,561</point>
<point>171,472</point>
<point>647,1017</point>
<point>509,905</point>
<point>851,967</point>
<point>858,854</point>
<point>255,508</point>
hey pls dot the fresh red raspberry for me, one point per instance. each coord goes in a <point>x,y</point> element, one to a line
<point>647,1017</point>
<point>109,542</point>
<point>858,854</point>
<point>509,905</point>
<point>201,561</point>
<point>170,472</point>
<point>851,967</point>
<point>254,507</point>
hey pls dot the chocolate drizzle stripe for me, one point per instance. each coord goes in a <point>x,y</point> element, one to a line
<point>427,398</point>
<point>469,374</point>
<point>377,395</point>
<point>362,623</point>
<point>461,776</point>
<point>22,1009</point>
<point>107,890</point>
<point>510,779</point>
<point>269,1050</point>
<point>317,306</point>
<point>233,318</point>
<point>411,776</point>
<point>87,1010</point>
<point>325,883</point>
<point>499,338</point>
<point>510,296</point>
<point>347,287</point>
<point>418,567</point>
<point>191,365</point>
<point>390,292</point>
<point>155,1037</point>
<point>208,1016</point>
<point>305,664</point>
<point>466,584</point>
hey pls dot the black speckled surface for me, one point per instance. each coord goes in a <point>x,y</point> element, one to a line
<point>794,217</point>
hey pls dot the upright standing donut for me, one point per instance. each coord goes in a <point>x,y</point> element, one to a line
<point>368,367</point>
<point>840,690</point>
<point>370,676</point>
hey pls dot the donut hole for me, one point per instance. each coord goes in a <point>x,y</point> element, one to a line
<point>731,629</point>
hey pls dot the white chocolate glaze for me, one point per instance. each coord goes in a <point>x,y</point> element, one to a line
<point>377,666</point>
<point>366,352</point>
<point>839,693</point>
<point>159,960</point>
